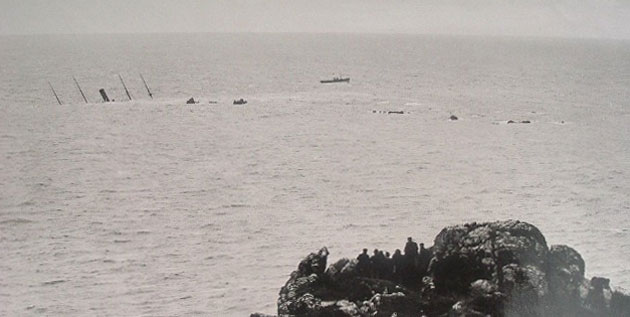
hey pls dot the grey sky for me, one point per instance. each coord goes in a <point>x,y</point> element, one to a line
<point>567,18</point>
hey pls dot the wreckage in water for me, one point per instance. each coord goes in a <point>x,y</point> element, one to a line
<point>336,80</point>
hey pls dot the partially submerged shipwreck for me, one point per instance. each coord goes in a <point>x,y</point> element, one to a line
<point>102,91</point>
<point>500,268</point>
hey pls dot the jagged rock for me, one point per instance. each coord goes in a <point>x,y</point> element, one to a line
<point>565,260</point>
<point>399,304</point>
<point>566,274</point>
<point>315,263</point>
<point>482,288</point>
<point>342,269</point>
<point>526,290</point>
<point>296,296</point>
<point>348,308</point>
<point>619,304</point>
<point>478,269</point>
<point>427,288</point>
<point>599,294</point>
<point>480,251</point>
<point>464,309</point>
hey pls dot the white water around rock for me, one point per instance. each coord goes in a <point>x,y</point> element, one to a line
<point>157,208</point>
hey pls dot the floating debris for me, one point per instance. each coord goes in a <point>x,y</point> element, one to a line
<point>389,111</point>
<point>335,80</point>
<point>54,282</point>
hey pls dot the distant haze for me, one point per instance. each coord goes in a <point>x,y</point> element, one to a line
<point>564,18</point>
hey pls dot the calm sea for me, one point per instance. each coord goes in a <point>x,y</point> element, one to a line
<point>158,208</point>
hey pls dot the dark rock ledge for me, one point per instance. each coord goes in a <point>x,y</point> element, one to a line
<point>500,268</point>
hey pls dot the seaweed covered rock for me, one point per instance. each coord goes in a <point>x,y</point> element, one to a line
<point>477,269</point>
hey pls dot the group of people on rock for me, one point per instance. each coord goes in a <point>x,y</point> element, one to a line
<point>406,268</point>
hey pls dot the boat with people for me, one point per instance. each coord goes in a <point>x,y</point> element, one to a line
<point>336,80</point>
<point>240,102</point>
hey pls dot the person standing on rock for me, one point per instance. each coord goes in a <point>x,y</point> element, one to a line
<point>363,266</point>
<point>381,268</point>
<point>411,254</point>
<point>411,248</point>
<point>409,269</point>
<point>399,261</point>
<point>377,263</point>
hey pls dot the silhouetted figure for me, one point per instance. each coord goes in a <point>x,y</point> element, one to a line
<point>411,248</point>
<point>399,262</point>
<point>363,266</point>
<point>382,267</point>
<point>409,271</point>
<point>377,260</point>
<point>389,267</point>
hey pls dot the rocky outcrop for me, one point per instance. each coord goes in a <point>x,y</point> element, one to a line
<point>477,269</point>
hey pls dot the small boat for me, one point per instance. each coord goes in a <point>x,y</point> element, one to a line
<point>240,102</point>
<point>335,80</point>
